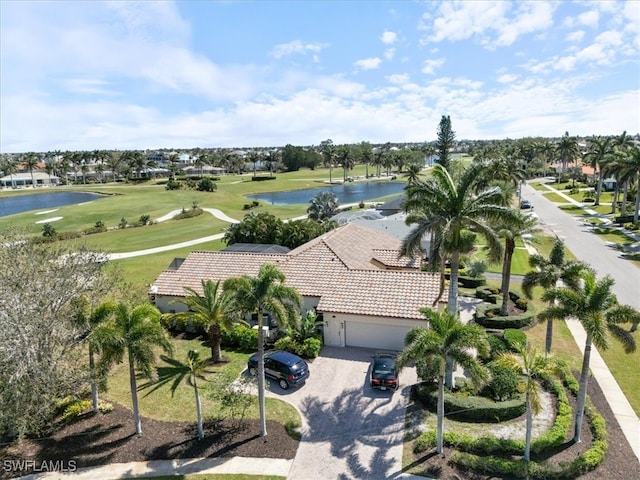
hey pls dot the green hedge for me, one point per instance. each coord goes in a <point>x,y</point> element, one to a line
<point>471,408</point>
<point>488,316</point>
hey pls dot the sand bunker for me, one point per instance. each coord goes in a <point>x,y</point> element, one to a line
<point>49,220</point>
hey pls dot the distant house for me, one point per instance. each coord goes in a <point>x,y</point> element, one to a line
<point>365,292</point>
<point>23,180</point>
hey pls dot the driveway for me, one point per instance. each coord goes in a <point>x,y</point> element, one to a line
<point>349,431</point>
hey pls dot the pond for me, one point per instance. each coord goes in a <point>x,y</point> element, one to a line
<point>36,201</point>
<point>347,193</point>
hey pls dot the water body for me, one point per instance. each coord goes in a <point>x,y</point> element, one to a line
<point>40,201</point>
<point>346,193</point>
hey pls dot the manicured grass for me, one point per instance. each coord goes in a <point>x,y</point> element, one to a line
<point>555,198</point>
<point>160,404</point>
<point>625,369</point>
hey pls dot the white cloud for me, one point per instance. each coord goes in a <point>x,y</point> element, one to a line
<point>88,86</point>
<point>507,78</point>
<point>296,47</point>
<point>431,65</point>
<point>389,38</point>
<point>368,63</point>
<point>575,37</point>
<point>389,53</point>
<point>398,78</point>
<point>589,19</point>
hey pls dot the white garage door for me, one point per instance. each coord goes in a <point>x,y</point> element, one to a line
<point>372,335</point>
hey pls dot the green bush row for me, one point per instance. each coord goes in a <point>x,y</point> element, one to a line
<point>487,315</point>
<point>472,408</point>
<point>309,348</point>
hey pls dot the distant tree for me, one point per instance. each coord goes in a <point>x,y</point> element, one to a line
<point>567,149</point>
<point>299,232</point>
<point>255,227</point>
<point>344,155</point>
<point>31,162</point>
<point>366,154</point>
<point>323,206</point>
<point>599,155</point>
<point>328,151</point>
<point>444,142</point>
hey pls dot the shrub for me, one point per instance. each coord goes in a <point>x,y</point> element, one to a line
<point>488,316</point>
<point>504,383</point>
<point>261,178</point>
<point>74,410</point>
<point>240,338</point>
<point>311,348</point>
<point>207,185</point>
<point>193,212</point>
<point>105,407</point>
<point>173,185</point>
<point>476,268</point>
<point>514,338</point>
<point>48,230</point>
<point>123,223</point>
<point>144,219</point>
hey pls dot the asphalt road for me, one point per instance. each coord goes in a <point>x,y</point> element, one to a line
<point>588,247</point>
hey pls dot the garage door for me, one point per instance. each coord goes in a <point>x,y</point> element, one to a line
<point>372,335</point>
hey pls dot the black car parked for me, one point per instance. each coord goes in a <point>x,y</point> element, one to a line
<point>384,373</point>
<point>288,369</point>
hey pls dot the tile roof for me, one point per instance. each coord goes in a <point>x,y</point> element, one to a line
<point>390,259</point>
<point>337,267</point>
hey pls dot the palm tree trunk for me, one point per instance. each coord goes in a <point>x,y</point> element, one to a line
<point>198,409</point>
<point>549,337</point>
<point>440,413</point>
<point>637,208</point>
<point>452,307</point>
<point>527,435</point>
<point>582,392</point>
<point>599,188</point>
<point>261,399</point>
<point>94,382</point>
<point>214,342</point>
<point>616,192</point>
<point>134,395</point>
<point>625,192</point>
<point>506,276</point>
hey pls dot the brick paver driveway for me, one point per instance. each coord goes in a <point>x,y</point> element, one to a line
<point>349,431</point>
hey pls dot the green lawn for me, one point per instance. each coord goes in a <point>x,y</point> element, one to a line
<point>160,404</point>
<point>555,198</point>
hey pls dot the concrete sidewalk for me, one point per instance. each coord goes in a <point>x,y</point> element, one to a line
<point>277,467</point>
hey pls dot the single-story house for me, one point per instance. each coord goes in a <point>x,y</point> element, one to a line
<point>23,180</point>
<point>368,295</point>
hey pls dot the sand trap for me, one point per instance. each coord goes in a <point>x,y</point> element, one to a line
<point>47,211</point>
<point>49,220</point>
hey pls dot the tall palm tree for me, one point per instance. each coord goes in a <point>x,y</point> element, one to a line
<point>567,149</point>
<point>446,209</point>
<point>600,153</point>
<point>31,162</point>
<point>193,369</point>
<point>631,170</point>
<point>323,206</point>
<point>534,367</point>
<point>446,337</point>
<point>598,310</point>
<point>135,331</point>
<point>521,225</point>
<point>211,310</point>
<point>9,168</point>
<point>87,319</point>
<point>546,272</point>
<point>328,151</point>
<point>366,153</point>
<point>266,293</point>
<point>413,173</point>
<point>345,157</point>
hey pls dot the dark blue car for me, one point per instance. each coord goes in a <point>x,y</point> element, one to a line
<point>287,369</point>
<point>384,373</point>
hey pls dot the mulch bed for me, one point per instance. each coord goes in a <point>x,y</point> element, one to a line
<point>110,438</point>
<point>620,462</point>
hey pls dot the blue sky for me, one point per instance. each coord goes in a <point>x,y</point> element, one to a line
<point>143,75</point>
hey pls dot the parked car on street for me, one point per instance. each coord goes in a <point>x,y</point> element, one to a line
<point>287,369</point>
<point>384,373</point>
<point>526,204</point>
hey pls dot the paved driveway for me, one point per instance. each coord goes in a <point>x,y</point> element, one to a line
<point>349,430</point>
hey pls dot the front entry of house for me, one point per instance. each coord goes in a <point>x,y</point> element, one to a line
<point>333,332</point>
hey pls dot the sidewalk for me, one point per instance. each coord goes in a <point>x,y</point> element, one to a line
<point>276,467</point>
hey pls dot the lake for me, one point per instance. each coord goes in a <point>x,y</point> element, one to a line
<point>39,201</point>
<point>346,193</point>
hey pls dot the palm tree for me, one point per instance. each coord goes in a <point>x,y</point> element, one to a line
<point>193,369</point>
<point>631,170</point>
<point>87,319</point>
<point>600,153</point>
<point>546,272</point>
<point>413,173</point>
<point>328,150</point>
<point>545,151</point>
<point>345,157</point>
<point>211,311</point>
<point>511,231</point>
<point>446,209</point>
<point>265,293</point>
<point>567,149</point>
<point>31,162</point>
<point>323,206</point>
<point>533,366</point>
<point>9,168</point>
<point>366,153</point>
<point>597,308</point>
<point>446,337</point>
<point>135,331</point>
